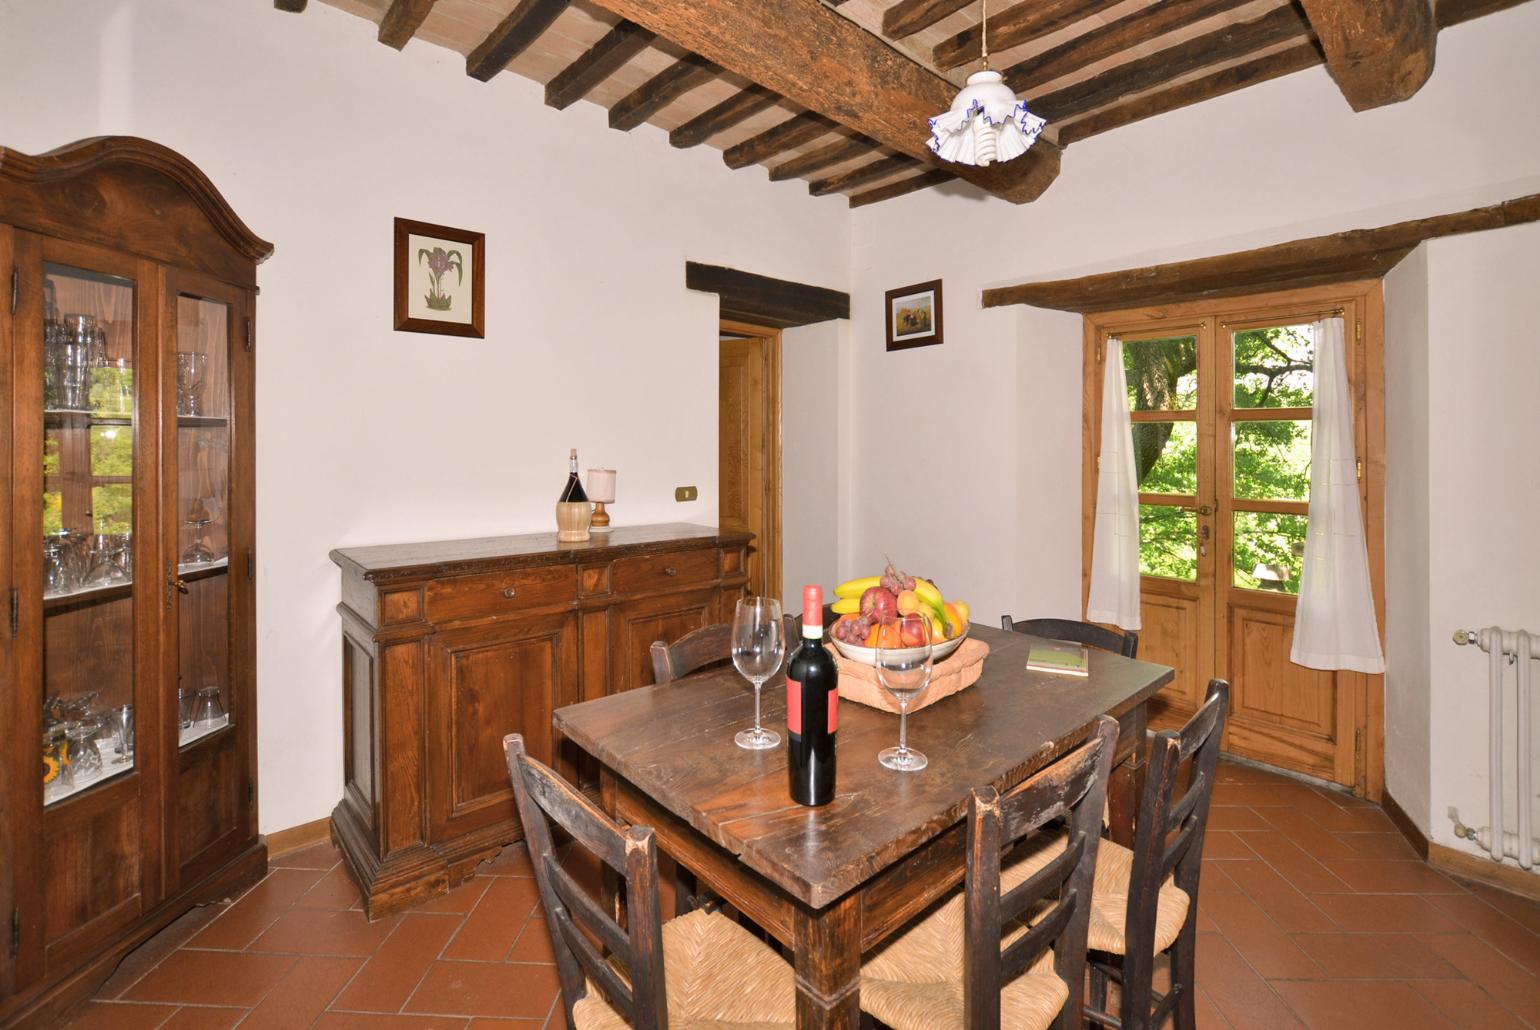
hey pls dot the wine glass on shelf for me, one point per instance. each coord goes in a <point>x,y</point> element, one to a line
<point>759,644</point>
<point>903,669</point>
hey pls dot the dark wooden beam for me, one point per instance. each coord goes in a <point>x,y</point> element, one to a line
<point>402,20</point>
<point>859,176</point>
<point>1226,80</point>
<point>1340,257</point>
<point>741,105</point>
<point>759,299</point>
<point>823,61</point>
<point>1378,51</point>
<point>522,27</point>
<point>1018,24</point>
<point>661,90</point>
<point>907,17</point>
<point>778,139</point>
<point>1233,41</point>
<point>602,60</point>
<point>925,180</point>
<point>835,153</point>
<point>1453,12</point>
<point>1111,40</point>
<point>292,6</point>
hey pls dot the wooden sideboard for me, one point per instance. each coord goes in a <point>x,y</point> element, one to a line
<point>447,647</point>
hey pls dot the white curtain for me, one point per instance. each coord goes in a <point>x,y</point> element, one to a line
<point>1114,594</point>
<point>1334,626</point>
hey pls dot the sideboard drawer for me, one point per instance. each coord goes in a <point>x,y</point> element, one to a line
<point>500,593</point>
<point>650,572</point>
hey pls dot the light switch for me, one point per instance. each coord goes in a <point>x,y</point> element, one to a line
<point>685,493</point>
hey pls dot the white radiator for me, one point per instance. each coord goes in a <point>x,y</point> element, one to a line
<point>1505,648</point>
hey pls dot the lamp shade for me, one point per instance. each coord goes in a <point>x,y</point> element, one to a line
<point>601,486</point>
<point>986,123</point>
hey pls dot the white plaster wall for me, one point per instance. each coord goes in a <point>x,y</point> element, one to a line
<point>1408,732</point>
<point>319,136</point>
<point>1484,497</point>
<point>810,457</point>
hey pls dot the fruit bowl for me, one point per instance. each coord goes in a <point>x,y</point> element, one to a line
<point>868,655</point>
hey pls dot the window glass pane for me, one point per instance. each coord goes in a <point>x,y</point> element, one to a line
<point>1272,460</point>
<point>1269,551</point>
<point>1274,367</point>
<point>1168,541</point>
<point>112,451</point>
<point>112,508</point>
<point>1162,374</point>
<point>1166,457</point>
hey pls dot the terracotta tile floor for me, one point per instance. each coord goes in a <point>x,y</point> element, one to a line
<point>1313,912</point>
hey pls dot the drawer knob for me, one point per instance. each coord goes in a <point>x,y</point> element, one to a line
<point>508,591</point>
<point>669,570</point>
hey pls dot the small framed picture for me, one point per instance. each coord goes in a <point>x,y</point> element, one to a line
<point>440,279</point>
<point>914,315</point>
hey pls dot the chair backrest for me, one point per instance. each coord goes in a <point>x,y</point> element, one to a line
<point>1072,789</point>
<point>570,911</point>
<point>1090,634</point>
<point>707,646</point>
<point>1168,837</point>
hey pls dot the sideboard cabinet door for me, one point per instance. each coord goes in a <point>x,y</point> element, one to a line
<point>634,625</point>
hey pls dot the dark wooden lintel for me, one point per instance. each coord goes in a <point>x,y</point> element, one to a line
<point>522,27</point>
<point>292,6</point>
<point>661,90</point>
<point>1015,25</point>
<point>1340,257</point>
<point>778,303</point>
<point>402,20</point>
<point>862,174</point>
<point>925,180</point>
<point>788,135</point>
<point>603,59</point>
<point>741,105</point>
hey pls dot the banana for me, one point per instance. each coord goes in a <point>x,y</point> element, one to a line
<point>847,606</point>
<point>928,593</point>
<point>856,587</point>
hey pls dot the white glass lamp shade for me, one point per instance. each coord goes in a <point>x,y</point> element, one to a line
<point>986,123</point>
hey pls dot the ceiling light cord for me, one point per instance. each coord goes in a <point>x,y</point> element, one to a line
<point>984,33</point>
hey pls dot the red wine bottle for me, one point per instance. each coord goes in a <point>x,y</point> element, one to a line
<point>574,488</point>
<point>812,709</point>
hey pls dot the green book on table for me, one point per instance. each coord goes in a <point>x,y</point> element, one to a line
<point>1064,659</point>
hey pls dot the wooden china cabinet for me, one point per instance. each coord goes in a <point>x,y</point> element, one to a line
<point>128,782</point>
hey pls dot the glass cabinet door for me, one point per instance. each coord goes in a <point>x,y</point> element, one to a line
<point>90,394</point>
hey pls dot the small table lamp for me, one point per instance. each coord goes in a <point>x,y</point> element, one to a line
<point>601,490</point>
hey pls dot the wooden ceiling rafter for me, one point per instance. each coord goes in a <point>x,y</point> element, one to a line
<point>907,17</point>
<point>402,20</point>
<point>923,181</point>
<point>518,30</point>
<point>838,152</point>
<point>787,135</point>
<point>1022,23</point>
<point>881,168</point>
<point>622,42</point>
<point>1378,51</point>
<point>662,89</point>
<point>739,107</point>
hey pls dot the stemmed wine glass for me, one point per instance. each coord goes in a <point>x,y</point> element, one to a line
<point>903,669</point>
<point>759,644</point>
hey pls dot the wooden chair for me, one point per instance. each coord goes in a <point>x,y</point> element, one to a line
<point>1147,899</point>
<point>950,969</point>
<point>697,969</point>
<point>1089,634</point>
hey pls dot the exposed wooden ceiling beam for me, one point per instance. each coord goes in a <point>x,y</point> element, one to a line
<point>602,60</point>
<point>1226,44</point>
<point>522,27</point>
<point>1226,80</point>
<point>1453,12</point>
<point>907,17</point>
<point>1111,40</point>
<point>869,172</point>
<point>759,299</point>
<point>402,20</point>
<point>1378,51</point>
<point>788,135</point>
<point>743,104</point>
<point>661,90</point>
<point>925,180</point>
<point>1357,254</point>
<point>824,62</point>
<point>835,153</point>
<point>292,6</point>
<point>1014,25</point>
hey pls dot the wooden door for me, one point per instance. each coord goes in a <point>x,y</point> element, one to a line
<point>749,447</point>
<point>484,682</point>
<point>1220,398</point>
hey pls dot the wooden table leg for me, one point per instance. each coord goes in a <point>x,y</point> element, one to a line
<point>1128,775</point>
<point>827,944</point>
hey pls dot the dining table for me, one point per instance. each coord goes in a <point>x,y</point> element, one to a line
<point>833,882</point>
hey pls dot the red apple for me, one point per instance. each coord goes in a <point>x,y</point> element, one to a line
<point>912,631</point>
<point>879,603</point>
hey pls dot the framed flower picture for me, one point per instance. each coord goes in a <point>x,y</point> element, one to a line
<point>914,315</point>
<point>440,279</point>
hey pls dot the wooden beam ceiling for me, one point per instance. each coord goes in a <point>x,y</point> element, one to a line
<point>1378,51</point>
<point>621,43</point>
<point>740,106</point>
<point>1016,25</point>
<point>907,17</point>
<point>1343,256</point>
<point>860,176</point>
<point>925,180</point>
<point>402,20</point>
<point>788,135</point>
<point>848,75</point>
<point>522,27</point>
<point>661,90</point>
<point>838,152</point>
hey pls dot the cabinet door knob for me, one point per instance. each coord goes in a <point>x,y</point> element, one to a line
<point>669,570</point>
<point>508,591</point>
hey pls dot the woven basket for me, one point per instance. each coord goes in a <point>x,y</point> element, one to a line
<point>858,681</point>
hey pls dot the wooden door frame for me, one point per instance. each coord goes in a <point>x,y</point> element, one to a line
<point>769,548</point>
<point>1368,691</point>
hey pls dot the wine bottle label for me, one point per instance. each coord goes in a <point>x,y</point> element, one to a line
<point>834,711</point>
<point>794,706</point>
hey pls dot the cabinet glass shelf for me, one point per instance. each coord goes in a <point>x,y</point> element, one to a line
<point>197,731</point>
<point>100,595</point>
<point>112,767</point>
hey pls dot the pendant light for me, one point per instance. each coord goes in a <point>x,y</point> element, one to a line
<point>986,122</point>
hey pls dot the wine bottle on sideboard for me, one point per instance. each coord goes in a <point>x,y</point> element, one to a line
<point>573,512</point>
<point>812,709</point>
